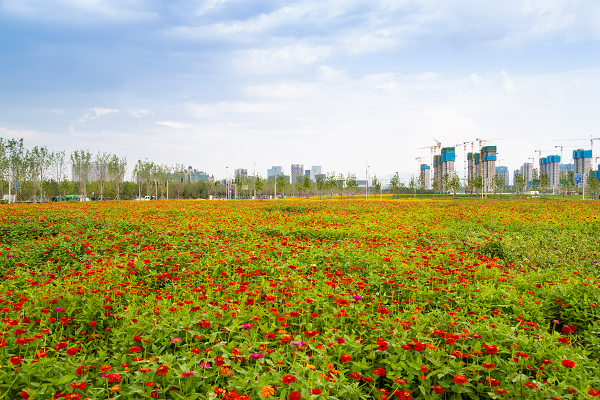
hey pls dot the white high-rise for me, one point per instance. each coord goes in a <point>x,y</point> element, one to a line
<point>297,170</point>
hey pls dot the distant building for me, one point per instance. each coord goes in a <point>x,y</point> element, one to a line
<point>551,166</point>
<point>443,164</point>
<point>297,170</point>
<point>241,172</point>
<point>315,171</point>
<point>526,172</point>
<point>583,162</point>
<point>425,173</point>
<point>274,171</point>
<point>504,174</point>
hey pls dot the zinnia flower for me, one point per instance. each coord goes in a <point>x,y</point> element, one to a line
<point>568,363</point>
<point>187,374</point>
<point>459,379</point>
<point>267,391</point>
<point>256,356</point>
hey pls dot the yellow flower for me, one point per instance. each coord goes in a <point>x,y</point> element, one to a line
<point>115,389</point>
<point>267,391</point>
<point>310,366</point>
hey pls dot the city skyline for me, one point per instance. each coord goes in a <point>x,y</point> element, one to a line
<point>325,83</point>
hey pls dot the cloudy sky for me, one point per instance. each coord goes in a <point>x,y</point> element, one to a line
<point>338,83</point>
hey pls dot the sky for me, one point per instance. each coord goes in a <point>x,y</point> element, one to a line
<point>340,84</point>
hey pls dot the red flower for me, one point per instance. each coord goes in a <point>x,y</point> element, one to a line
<point>459,379</point>
<point>316,391</point>
<point>161,371</point>
<point>424,369</point>
<point>569,329</point>
<point>403,394</point>
<point>16,360</point>
<point>488,365</point>
<point>379,371</point>
<point>137,339</point>
<point>345,358</point>
<point>419,346</point>
<point>438,389</point>
<point>73,350</point>
<point>288,379</point>
<point>78,385</point>
<point>294,396</point>
<point>568,363</point>
<point>594,392</point>
<point>354,375</point>
<point>564,340</point>
<point>490,349</point>
<point>531,385</point>
<point>135,349</point>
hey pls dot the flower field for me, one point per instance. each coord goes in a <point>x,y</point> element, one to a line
<point>300,300</point>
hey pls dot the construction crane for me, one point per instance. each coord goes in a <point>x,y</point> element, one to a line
<point>433,149</point>
<point>591,139</point>
<point>464,144</point>
<point>561,156</point>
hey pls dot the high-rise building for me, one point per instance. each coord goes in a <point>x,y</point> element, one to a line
<point>503,172</point>
<point>551,166</point>
<point>241,172</point>
<point>425,173</point>
<point>583,162</point>
<point>315,170</point>
<point>488,166</point>
<point>526,172</point>
<point>443,164</point>
<point>274,171</point>
<point>297,170</point>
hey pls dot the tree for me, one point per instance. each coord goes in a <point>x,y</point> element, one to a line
<point>421,183</point>
<point>445,182</point>
<point>81,163</point>
<point>519,184</point>
<point>435,186</point>
<point>478,184</point>
<point>331,182</point>
<point>259,185</point>
<point>116,172</point>
<point>16,163</point>
<point>340,182</point>
<point>321,185</point>
<point>376,184</point>
<point>281,184</point>
<point>535,180</point>
<point>306,185</point>
<point>412,185</point>
<point>351,183</point>
<point>593,183</point>
<point>59,168</point>
<point>454,184</point>
<point>395,183</point>
<point>544,181</point>
<point>498,184</point>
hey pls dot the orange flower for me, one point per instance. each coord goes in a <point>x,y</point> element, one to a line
<point>267,391</point>
<point>115,389</point>
<point>105,368</point>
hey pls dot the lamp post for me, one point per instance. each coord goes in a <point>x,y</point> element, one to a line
<point>254,181</point>
<point>226,183</point>
<point>367,181</point>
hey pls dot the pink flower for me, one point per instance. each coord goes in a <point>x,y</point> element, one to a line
<point>187,374</point>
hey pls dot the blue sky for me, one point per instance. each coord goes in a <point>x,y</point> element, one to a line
<point>221,83</point>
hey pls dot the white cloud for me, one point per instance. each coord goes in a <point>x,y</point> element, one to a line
<point>508,84</point>
<point>140,113</point>
<point>98,112</point>
<point>174,124</point>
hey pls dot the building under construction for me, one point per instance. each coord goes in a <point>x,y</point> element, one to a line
<point>443,164</point>
<point>484,164</point>
<point>551,166</point>
<point>425,175</point>
<point>583,162</point>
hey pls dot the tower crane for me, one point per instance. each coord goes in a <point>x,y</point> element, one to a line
<point>561,156</point>
<point>433,149</point>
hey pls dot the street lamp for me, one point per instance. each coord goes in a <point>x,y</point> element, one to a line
<point>227,183</point>
<point>254,181</point>
<point>367,181</point>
